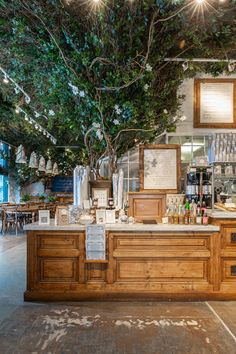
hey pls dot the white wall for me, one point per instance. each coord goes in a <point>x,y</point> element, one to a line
<point>187,89</point>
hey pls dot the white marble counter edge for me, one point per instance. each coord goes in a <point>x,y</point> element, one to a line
<point>125,227</point>
<point>222,214</point>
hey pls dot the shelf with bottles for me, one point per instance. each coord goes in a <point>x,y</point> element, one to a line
<point>198,185</point>
<point>223,181</point>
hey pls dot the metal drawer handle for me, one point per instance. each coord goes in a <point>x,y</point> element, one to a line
<point>233,237</point>
<point>233,270</point>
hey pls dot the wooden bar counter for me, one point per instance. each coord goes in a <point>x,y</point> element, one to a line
<point>144,262</point>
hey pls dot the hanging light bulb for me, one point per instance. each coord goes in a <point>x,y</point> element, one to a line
<point>17,110</point>
<point>42,164</point>
<point>26,118</point>
<point>185,66</point>
<point>49,167</point>
<point>5,80</point>
<point>27,99</point>
<point>33,162</point>
<point>20,155</point>
<point>55,169</point>
<point>231,66</point>
<point>17,90</point>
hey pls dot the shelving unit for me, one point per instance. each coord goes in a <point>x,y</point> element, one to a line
<point>222,178</point>
<point>200,171</point>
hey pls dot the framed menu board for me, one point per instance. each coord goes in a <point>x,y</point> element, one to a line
<point>215,103</point>
<point>160,168</point>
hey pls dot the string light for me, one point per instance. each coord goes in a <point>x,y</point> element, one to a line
<point>231,66</point>
<point>185,65</point>
<point>19,89</point>
<point>36,125</point>
<point>5,80</point>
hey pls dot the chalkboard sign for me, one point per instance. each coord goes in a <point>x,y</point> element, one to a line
<point>62,184</point>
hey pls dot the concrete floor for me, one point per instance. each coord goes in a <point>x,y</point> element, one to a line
<point>105,328</point>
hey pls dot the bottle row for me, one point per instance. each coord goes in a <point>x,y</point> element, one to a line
<point>187,214</point>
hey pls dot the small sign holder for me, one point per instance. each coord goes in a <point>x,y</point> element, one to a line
<point>95,244</point>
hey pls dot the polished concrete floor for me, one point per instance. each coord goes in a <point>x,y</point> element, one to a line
<point>104,328</point>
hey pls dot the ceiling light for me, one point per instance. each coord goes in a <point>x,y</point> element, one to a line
<point>200,1</point>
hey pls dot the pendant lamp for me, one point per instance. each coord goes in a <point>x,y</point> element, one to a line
<point>33,162</point>
<point>49,167</point>
<point>55,169</point>
<point>42,164</point>
<point>20,155</point>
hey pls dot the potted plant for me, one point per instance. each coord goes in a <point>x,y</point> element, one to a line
<point>42,198</point>
<point>25,198</point>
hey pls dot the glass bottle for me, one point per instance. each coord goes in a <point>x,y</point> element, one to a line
<point>199,214</point>
<point>192,215</point>
<point>171,215</point>
<point>176,216</point>
<point>181,215</point>
<point>205,218</point>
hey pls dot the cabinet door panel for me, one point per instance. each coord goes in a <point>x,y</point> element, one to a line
<point>57,270</point>
<point>155,270</point>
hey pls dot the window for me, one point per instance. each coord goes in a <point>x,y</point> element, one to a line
<point>3,174</point>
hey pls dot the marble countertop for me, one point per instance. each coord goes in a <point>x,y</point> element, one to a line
<point>218,214</point>
<point>125,227</point>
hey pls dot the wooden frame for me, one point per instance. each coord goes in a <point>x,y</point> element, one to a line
<point>167,147</point>
<point>44,217</point>
<point>197,104</point>
<point>104,192</point>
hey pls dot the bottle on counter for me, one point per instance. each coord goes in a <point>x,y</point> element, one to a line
<point>171,215</point>
<point>205,218</point>
<point>181,215</point>
<point>198,214</point>
<point>186,212</point>
<point>203,208</point>
<point>176,216</point>
<point>192,215</point>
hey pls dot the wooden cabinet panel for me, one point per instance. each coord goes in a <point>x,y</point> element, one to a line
<point>58,241</point>
<point>96,272</point>
<point>161,242</point>
<point>155,270</point>
<point>229,270</point>
<point>229,237</point>
<point>57,270</point>
<point>147,206</point>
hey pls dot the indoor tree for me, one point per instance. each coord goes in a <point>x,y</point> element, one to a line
<point>97,70</point>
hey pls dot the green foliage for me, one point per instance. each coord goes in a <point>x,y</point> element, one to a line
<point>63,55</point>
<point>25,198</point>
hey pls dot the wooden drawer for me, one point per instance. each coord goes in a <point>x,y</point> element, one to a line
<point>162,270</point>
<point>58,270</point>
<point>159,242</point>
<point>228,237</point>
<point>58,241</point>
<point>147,206</point>
<point>229,270</point>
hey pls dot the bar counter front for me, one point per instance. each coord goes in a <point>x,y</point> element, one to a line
<point>143,262</point>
